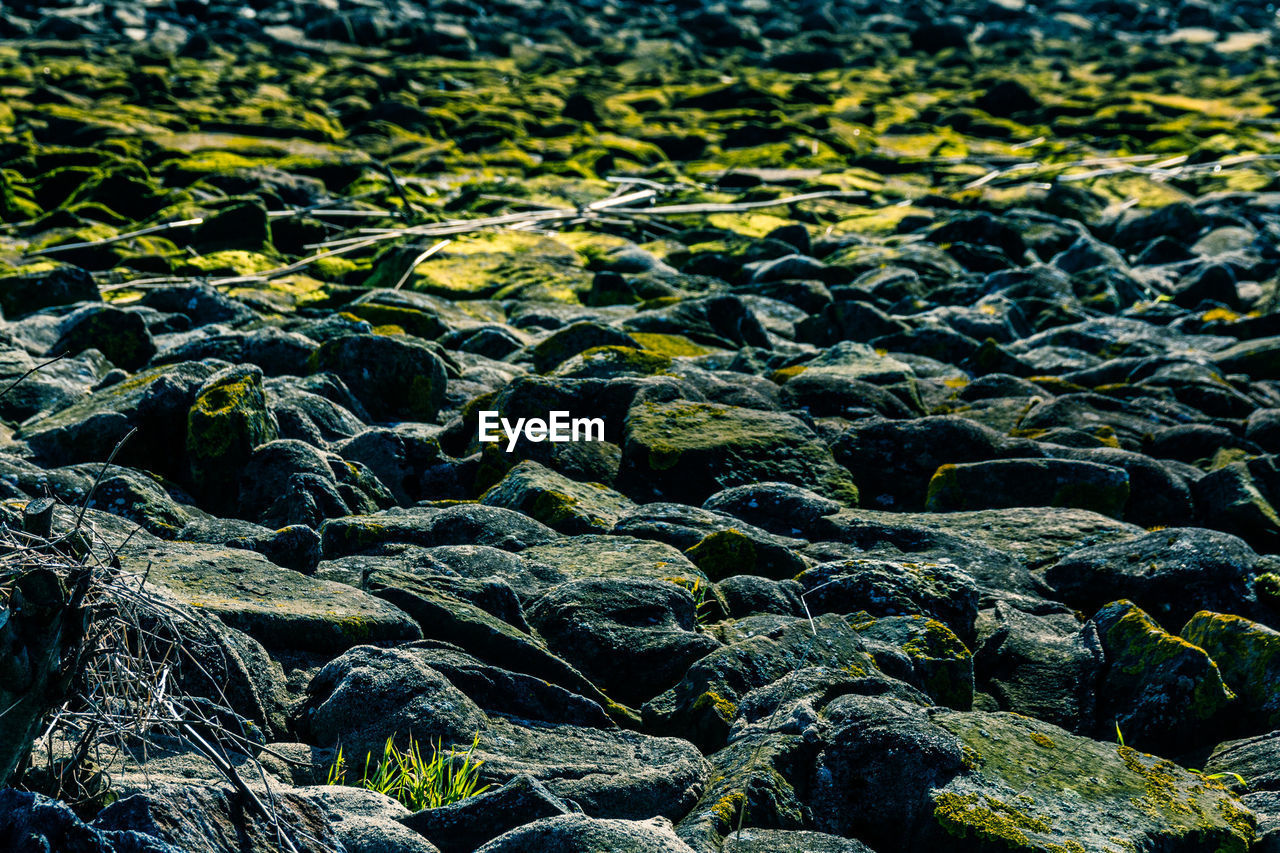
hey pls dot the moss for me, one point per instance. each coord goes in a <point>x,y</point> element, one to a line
<point>1267,585</point>
<point>720,706</point>
<point>726,810</point>
<point>984,818</point>
<point>609,361</point>
<point>670,346</point>
<point>936,641</point>
<point>1043,740</point>
<point>723,554</point>
<point>1140,646</point>
<point>230,262</point>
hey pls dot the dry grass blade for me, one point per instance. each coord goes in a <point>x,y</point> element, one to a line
<point>118,238</point>
<point>419,259</point>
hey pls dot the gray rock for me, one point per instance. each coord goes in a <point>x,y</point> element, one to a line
<point>581,834</point>
<point>1169,573</point>
<point>633,638</point>
<point>465,825</point>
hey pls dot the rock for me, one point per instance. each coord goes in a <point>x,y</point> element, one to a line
<point>893,461</point>
<point>687,451</point>
<point>574,339</point>
<point>203,304</point>
<point>704,704</point>
<point>555,500</point>
<point>312,418</point>
<point>431,526</point>
<point>154,401</point>
<point>471,628</point>
<point>941,665</point>
<point>32,821</point>
<point>610,773</point>
<point>893,588</point>
<point>581,834</point>
<point>718,321</point>
<point>746,595</point>
<point>616,557</point>
<point>201,819</point>
<point>718,545</point>
<point>1040,662</point>
<point>227,422</point>
<point>753,783</point>
<point>367,821</point>
<point>277,352</point>
<point>967,769</point>
<point>633,638</point>
<point>1248,655</point>
<point>120,335</point>
<point>463,826</point>
<point>1253,758</point>
<point>1029,482</point>
<point>44,285</point>
<point>287,482</point>
<point>369,694</point>
<point>790,841</point>
<point>411,465</point>
<point>1161,691</point>
<point>279,608</point>
<point>396,378</point>
<point>1159,494</point>
<point>782,508</point>
<point>1240,498</point>
<point>1170,573</point>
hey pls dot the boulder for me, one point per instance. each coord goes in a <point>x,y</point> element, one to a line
<point>687,451</point>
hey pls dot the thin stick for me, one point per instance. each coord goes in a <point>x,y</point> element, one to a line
<point>409,209</point>
<point>16,382</point>
<point>128,235</point>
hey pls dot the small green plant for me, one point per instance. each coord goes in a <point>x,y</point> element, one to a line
<point>703,605</point>
<point>408,776</point>
<point>1119,734</point>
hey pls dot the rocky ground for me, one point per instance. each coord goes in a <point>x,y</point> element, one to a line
<point>938,360</point>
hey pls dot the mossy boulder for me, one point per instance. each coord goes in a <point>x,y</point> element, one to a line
<point>717,543</point>
<point>396,378</point>
<point>44,284</point>
<point>1170,573</point>
<point>908,778</point>
<point>594,556</point>
<point>279,608</point>
<point>575,338</point>
<point>634,637</point>
<point>1248,655</point>
<point>941,664</point>
<point>227,422</point>
<point>464,524</point>
<point>893,461</point>
<point>704,704</point>
<point>558,502</point>
<point>464,624</point>
<point>1243,498</point>
<point>155,401</point>
<point>1037,787</point>
<point>894,587</point>
<point>1160,690</point>
<point>136,495</point>
<point>120,335</point>
<point>1002,483</point>
<point>1036,659</point>
<point>687,451</point>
